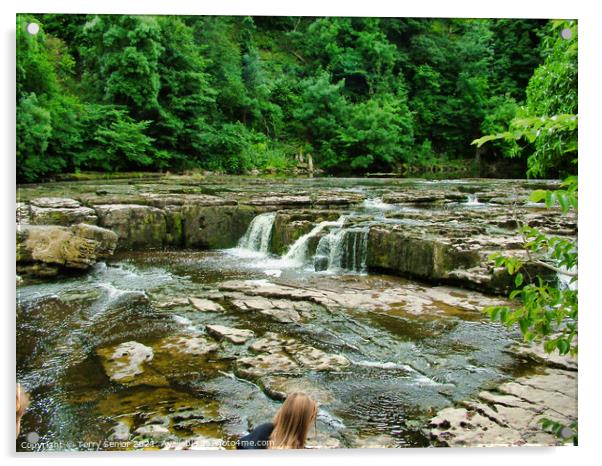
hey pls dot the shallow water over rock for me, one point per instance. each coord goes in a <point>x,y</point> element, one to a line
<point>154,347</point>
<point>379,353</point>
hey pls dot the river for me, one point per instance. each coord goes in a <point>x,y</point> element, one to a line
<point>405,348</point>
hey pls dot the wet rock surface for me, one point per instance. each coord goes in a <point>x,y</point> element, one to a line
<point>205,305</point>
<point>435,232</point>
<point>510,415</point>
<point>187,349</point>
<point>126,361</point>
<point>235,335</point>
<point>280,355</point>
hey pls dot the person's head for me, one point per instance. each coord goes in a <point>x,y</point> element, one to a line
<point>293,421</point>
<point>22,404</point>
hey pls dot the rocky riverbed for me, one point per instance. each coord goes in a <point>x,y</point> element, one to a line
<point>178,312</point>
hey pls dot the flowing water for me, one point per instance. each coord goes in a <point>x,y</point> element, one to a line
<point>414,348</point>
<point>257,237</point>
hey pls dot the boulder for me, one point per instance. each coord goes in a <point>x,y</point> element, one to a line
<point>56,247</point>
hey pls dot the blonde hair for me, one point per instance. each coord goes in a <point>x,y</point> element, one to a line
<point>22,405</point>
<point>292,422</point>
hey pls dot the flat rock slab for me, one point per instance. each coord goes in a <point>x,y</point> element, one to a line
<point>62,215</point>
<point>268,363</point>
<point>375,441</point>
<point>171,303</point>
<point>155,432</point>
<point>55,202</point>
<point>322,440</point>
<point>195,345</point>
<point>205,305</point>
<point>286,355</point>
<point>163,200</point>
<point>237,336</point>
<point>282,199</point>
<point>538,354</point>
<point>126,364</point>
<point>120,432</point>
<point>281,310</point>
<point>367,295</point>
<point>511,415</point>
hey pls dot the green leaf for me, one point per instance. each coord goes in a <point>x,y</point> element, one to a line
<point>538,195</point>
<point>518,280</point>
<point>563,345</point>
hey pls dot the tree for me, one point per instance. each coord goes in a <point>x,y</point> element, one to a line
<point>318,116</point>
<point>548,121</point>
<point>377,136</point>
<point>121,57</point>
<point>277,86</point>
<point>185,94</point>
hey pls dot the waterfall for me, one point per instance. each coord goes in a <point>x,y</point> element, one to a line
<point>376,203</point>
<point>257,237</point>
<point>472,199</point>
<point>343,249</point>
<point>298,251</point>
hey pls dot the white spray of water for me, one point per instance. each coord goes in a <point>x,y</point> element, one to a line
<point>376,203</point>
<point>258,235</point>
<point>344,249</point>
<point>298,251</point>
<point>472,199</point>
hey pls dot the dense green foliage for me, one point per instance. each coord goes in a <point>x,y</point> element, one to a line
<point>547,312</point>
<point>236,93</point>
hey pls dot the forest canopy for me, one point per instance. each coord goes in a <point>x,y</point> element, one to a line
<point>232,94</point>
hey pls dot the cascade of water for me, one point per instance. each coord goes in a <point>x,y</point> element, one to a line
<point>376,203</point>
<point>257,237</point>
<point>472,199</point>
<point>298,251</point>
<point>343,249</point>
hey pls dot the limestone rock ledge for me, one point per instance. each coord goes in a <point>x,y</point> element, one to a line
<point>44,250</point>
<point>510,415</point>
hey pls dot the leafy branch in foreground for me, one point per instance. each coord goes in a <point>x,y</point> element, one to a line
<point>547,311</point>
